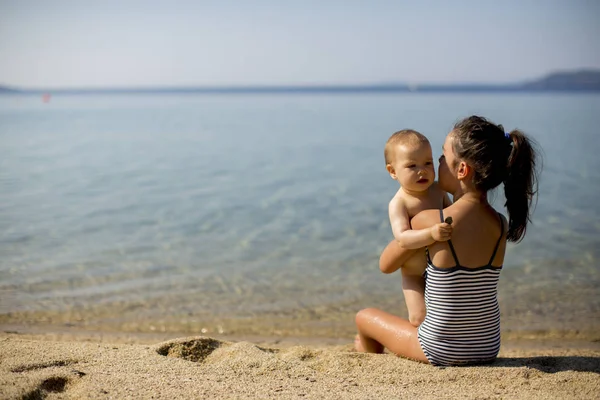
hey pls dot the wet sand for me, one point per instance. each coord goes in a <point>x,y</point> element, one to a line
<point>542,301</point>
<point>117,365</point>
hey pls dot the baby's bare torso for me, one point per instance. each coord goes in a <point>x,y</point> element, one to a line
<point>433,198</point>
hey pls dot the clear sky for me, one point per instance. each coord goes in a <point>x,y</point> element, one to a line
<point>86,43</point>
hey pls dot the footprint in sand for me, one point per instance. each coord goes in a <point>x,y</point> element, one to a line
<point>194,349</point>
<point>31,367</point>
<point>197,349</point>
<point>242,356</point>
<point>52,384</point>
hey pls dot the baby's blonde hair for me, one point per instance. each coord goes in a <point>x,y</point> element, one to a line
<point>405,136</point>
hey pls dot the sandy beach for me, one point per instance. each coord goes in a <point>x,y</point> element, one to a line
<point>104,366</point>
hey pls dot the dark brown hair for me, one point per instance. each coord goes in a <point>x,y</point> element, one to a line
<point>405,136</point>
<point>498,157</point>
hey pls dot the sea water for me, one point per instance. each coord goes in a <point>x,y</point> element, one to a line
<point>117,209</point>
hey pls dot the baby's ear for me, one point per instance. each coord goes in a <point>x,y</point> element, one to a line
<point>391,171</point>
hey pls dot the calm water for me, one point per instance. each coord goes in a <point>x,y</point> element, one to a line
<point>249,205</point>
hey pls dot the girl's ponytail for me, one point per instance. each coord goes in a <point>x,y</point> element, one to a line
<point>498,157</point>
<point>520,184</point>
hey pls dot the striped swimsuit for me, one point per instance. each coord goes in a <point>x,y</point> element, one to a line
<point>462,324</point>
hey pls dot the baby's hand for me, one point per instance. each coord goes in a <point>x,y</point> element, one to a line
<point>441,232</point>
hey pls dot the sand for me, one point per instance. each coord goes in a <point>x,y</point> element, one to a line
<point>67,366</point>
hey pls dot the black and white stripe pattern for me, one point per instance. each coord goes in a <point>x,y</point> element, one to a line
<point>462,324</point>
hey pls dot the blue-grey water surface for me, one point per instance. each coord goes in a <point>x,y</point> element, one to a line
<point>116,209</point>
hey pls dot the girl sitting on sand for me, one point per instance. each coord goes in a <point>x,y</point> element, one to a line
<point>462,322</point>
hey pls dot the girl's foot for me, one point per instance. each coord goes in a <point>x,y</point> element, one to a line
<point>358,346</point>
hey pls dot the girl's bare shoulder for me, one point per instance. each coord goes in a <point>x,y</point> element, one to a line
<point>504,222</point>
<point>425,219</point>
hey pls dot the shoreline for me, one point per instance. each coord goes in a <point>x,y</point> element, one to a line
<point>511,340</point>
<point>534,303</point>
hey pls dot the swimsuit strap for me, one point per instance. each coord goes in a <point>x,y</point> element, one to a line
<point>500,238</point>
<point>450,241</point>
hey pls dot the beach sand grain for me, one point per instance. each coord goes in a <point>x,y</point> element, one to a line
<point>205,367</point>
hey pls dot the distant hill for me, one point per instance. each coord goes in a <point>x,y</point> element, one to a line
<point>6,89</point>
<point>585,80</point>
<point>574,81</point>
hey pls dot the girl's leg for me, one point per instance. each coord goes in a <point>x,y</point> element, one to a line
<point>378,329</point>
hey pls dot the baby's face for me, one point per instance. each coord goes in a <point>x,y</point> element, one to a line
<point>413,166</point>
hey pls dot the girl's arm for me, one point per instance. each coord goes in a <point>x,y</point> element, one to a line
<point>394,256</point>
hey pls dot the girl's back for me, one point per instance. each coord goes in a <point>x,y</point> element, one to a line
<point>462,324</point>
<point>477,227</point>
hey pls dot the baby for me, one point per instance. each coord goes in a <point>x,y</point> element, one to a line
<point>409,161</point>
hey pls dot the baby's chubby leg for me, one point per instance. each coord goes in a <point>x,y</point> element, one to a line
<point>413,287</point>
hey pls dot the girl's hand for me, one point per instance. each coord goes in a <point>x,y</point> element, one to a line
<point>441,232</point>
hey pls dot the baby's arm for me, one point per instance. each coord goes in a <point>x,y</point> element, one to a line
<point>414,239</point>
<point>399,218</point>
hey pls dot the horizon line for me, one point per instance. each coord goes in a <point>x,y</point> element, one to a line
<point>531,84</point>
